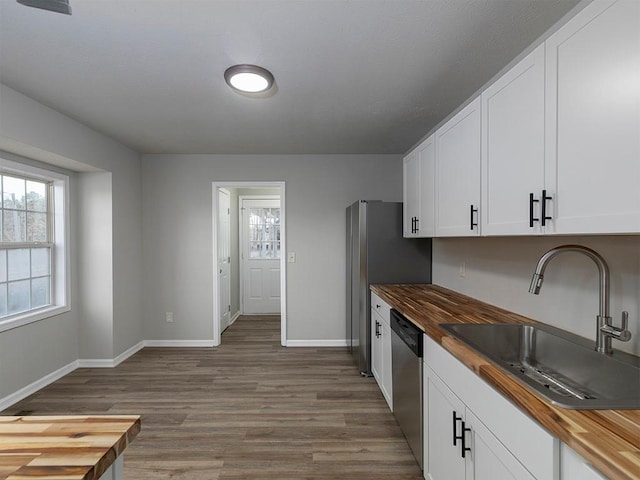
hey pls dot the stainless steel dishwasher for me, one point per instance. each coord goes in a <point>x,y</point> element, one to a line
<point>406,368</point>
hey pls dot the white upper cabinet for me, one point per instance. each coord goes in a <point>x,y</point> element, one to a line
<point>458,174</point>
<point>551,147</point>
<point>419,170</point>
<point>411,194</point>
<point>513,149</point>
<point>593,120</point>
<point>427,162</point>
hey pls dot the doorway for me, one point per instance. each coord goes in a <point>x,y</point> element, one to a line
<point>224,257</point>
<point>268,246</point>
<point>260,250</point>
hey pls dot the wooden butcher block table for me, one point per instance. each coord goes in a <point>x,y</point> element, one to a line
<point>608,439</point>
<point>64,447</point>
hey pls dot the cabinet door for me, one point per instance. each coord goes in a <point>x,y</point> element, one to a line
<point>443,417</point>
<point>574,467</point>
<point>426,153</point>
<point>458,174</point>
<point>513,149</point>
<point>593,120</point>
<point>385,348</point>
<point>411,194</point>
<point>376,347</point>
<point>491,460</point>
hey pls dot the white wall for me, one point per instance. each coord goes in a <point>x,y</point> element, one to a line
<point>177,252</point>
<point>33,130</point>
<point>498,271</point>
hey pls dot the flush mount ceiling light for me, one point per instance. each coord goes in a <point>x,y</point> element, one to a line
<point>248,78</point>
<point>59,6</point>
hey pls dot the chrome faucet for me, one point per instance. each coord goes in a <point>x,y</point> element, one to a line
<point>605,331</point>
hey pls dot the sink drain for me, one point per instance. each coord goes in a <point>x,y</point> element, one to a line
<point>551,381</point>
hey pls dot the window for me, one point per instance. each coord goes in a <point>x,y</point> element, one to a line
<point>33,246</point>
<point>264,233</point>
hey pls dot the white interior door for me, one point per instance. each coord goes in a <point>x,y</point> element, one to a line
<point>224,258</point>
<point>260,256</point>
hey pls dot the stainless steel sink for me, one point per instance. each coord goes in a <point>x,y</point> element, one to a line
<point>562,367</point>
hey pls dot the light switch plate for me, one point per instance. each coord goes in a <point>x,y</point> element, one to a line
<point>291,257</point>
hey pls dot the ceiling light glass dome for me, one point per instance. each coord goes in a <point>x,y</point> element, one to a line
<point>249,78</point>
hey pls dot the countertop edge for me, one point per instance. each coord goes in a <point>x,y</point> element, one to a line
<point>589,432</point>
<point>122,429</point>
<point>117,449</point>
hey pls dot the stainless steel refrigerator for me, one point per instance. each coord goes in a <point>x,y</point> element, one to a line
<point>377,253</point>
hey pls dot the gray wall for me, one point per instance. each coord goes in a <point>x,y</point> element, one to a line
<point>177,234</point>
<point>498,270</point>
<point>94,254</point>
<point>30,352</point>
<point>33,130</point>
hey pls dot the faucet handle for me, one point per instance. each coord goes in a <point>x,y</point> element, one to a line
<point>619,333</point>
<point>625,321</point>
<point>625,334</point>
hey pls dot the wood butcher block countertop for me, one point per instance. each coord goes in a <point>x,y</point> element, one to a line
<point>63,447</point>
<point>608,439</point>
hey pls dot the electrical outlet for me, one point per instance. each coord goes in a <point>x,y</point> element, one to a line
<point>463,269</point>
<point>169,317</point>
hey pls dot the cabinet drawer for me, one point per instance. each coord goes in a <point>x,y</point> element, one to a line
<point>533,446</point>
<point>380,306</point>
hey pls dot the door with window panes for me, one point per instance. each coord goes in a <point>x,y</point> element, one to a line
<point>260,256</point>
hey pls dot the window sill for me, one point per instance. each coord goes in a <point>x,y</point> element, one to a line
<point>26,318</point>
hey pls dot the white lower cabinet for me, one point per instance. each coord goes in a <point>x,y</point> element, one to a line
<point>490,459</point>
<point>574,467</point>
<point>473,433</point>
<point>376,346</point>
<point>442,447</point>
<point>381,346</point>
<point>387,383</point>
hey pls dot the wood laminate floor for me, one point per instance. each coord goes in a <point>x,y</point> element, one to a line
<point>249,409</point>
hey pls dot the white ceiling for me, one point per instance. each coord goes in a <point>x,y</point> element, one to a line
<point>353,76</point>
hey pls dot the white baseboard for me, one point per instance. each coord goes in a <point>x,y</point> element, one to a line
<point>32,388</point>
<point>178,343</point>
<point>234,318</point>
<point>128,353</point>
<point>316,343</point>
<point>108,362</point>
<point>95,363</point>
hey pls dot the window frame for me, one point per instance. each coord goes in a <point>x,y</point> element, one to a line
<point>59,240</point>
